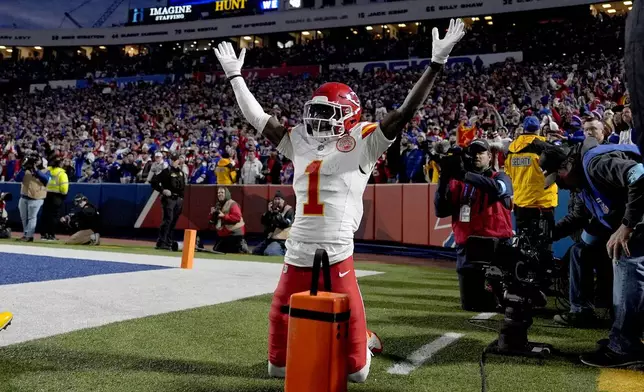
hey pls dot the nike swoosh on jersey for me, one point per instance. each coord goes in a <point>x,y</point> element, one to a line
<point>343,274</point>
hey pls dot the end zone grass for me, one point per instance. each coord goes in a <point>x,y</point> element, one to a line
<point>223,347</point>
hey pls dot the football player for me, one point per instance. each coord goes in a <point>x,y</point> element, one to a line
<point>333,154</point>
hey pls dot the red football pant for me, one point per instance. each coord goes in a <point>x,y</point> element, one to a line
<point>298,279</point>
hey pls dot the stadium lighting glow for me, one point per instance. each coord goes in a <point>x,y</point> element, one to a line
<point>611,11</point>
<point>402,25</point>
<point>256,41</point>
<point>195,42</point>
<point>490,23</point>
<point>11,50</point>
<point>488,18</point>
<point>417,23</point>
<point>248,38</point>
<point>369,28</point>
<point>37,47</point>
<point>628,3</point>
<point>630,8</point>
<point>101,47</point>
<point>606,5</point>
<point>319,32</point>
<point>295,3</point>
<point>305,33</point>
<point>3,47</point>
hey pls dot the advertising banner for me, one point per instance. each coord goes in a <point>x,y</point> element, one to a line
<point>266,22</point>
<point>263,73</point>
<point>122,82</point>
<point>53,84</point>
<point>397,65</point>
<point>191,12</point>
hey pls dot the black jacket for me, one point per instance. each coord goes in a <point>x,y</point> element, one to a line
<point>172,179</point>
<point>577,219</point>
<point>274,220</point>
<point>86,218</point>
<point>614,177</point>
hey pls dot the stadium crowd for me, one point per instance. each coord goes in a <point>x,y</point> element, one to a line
<point>125,134</point>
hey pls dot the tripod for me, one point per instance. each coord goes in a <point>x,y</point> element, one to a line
<point>513,337</point>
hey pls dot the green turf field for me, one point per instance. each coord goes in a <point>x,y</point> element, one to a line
<point>223,347</point>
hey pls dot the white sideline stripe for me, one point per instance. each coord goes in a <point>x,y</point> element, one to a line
<point>424,354</point>
<point>146,209</point>
<point>483,316</point>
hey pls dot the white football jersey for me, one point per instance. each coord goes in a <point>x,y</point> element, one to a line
<point>329,181</point>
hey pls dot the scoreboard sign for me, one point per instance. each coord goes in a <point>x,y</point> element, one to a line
<point>191,12</point>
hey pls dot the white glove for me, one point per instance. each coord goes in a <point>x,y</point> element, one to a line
<point>441,48</point>
<point>229,61</point>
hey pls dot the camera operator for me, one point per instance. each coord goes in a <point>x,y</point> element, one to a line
<point>587,254</point>
<point>34,177</point>
<point>56,193</point>
<point>277,223</point>
<point>227,218</point>
<point>170,182</point>
<point>84,222</point>
<point>534,206</point>
<point>5,230</point>
<point>479,200</point>
<point>610,179</point>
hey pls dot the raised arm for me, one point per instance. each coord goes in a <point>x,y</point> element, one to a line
<point>251,109</point>
<point>395,120</point>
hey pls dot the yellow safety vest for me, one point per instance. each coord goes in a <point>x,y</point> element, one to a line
<point>59,182</point>
<point>522,166</point>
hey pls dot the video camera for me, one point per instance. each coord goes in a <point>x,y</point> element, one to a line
<point>521,272</point>
<point>32,162</point>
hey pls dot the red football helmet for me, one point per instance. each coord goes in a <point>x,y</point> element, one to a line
<point>332,112</point>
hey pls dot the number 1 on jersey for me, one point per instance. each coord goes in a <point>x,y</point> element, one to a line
<point>313,205</point>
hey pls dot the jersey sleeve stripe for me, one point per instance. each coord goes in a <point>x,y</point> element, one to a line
<point>368,130</point>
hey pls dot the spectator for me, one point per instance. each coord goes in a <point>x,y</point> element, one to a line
<point>251,172</point>
<point>226,173</point>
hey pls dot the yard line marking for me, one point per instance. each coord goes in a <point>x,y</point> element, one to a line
<point>424,354</point>
<point>619,380</point>
<point>483,316</point>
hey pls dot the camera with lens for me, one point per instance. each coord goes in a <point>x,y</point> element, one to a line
<point>452,159</point>
<point>522,272</point>
<point>32,162</point>
<point>214,216</point>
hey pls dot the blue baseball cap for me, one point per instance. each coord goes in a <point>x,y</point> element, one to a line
<point>531,124</point>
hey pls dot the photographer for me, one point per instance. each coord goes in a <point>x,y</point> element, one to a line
<point>5,230</point>
<point>534,206</point>
<point>610,179</point>
<point>479,200</point>
<point>277,223</point>
<point>34,177</point>
<point>56,193</point>
<point>84,223</point>
<point>227,218</point>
